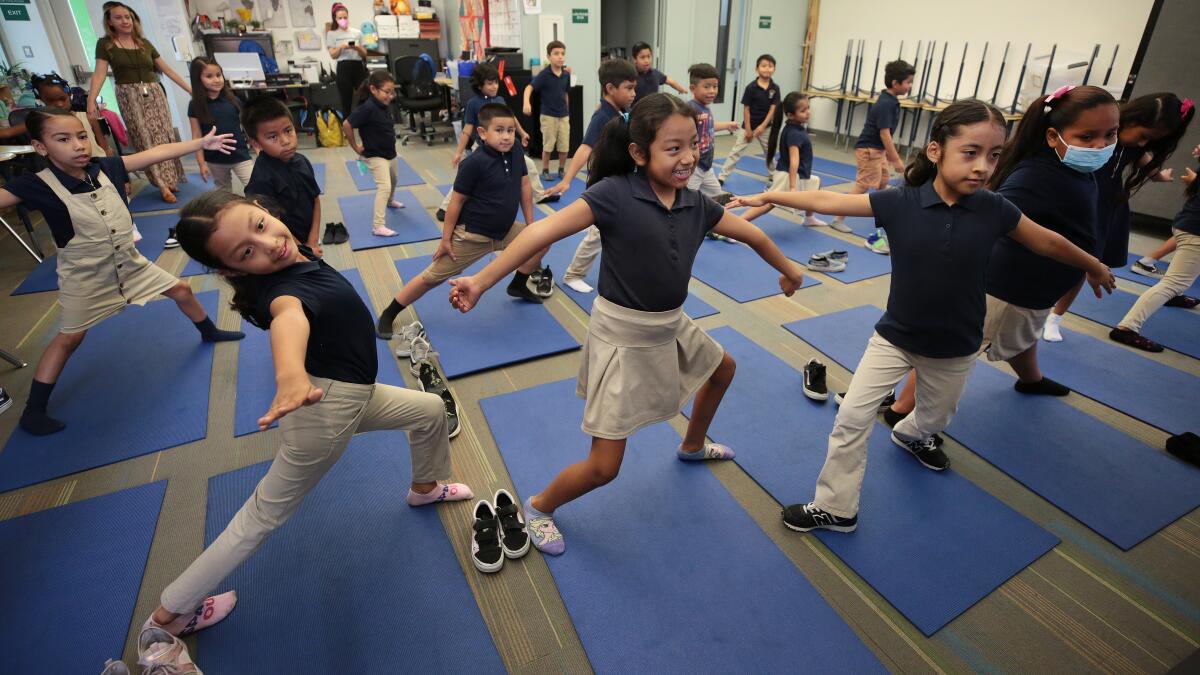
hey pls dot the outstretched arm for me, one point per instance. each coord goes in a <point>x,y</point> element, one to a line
<point>289,345</point>
<point>735,227</point>
<point>161,153</point>
<point>820,201</point>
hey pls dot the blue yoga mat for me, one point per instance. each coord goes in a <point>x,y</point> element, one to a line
<point>741,184</point>
<point>664,571</point>
<point>750,164</point>
<point>368,584</point>
<point>363,180</point>
<point>1172,327</point>
<point>1121,488</point>
<point>499,331</point>
<point>150,199</point>
<point>319,174</point>
<point>256,368</point>
<point>413,223</point>
<point>577,188</point>
<point>1126,272</point>
<point>138,384</point>
<point>834,168</point>
<point>84,560</point>
<point>559,259</point>
<point>829,180</point>
<point>1106,372</point>
<point>798,243</point>
<point>912,520</point>
<point>737,271</point>
<point>154,228</point>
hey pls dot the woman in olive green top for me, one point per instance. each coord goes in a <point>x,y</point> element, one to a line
<point>136,65</point>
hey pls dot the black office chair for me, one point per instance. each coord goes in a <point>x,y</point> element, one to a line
<point>418,94</point>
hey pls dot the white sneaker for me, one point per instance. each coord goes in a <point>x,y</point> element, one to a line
<point>409,333</point>
<point>840,226</point>
<point>1051,331</point>
<point>578,285</point>
<point>161,653</point>
<point>1146,270</point>
<point>419,351</point>
<point>820,263</point>
<point>813,221</point>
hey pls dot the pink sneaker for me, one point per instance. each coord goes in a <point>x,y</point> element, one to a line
<point>383,232</point>
<point>161,653</point>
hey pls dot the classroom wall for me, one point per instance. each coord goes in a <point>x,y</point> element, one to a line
<point>30,34</point>
<point>1075,26</point>
<point>582,41</point>
<point>689,35</point>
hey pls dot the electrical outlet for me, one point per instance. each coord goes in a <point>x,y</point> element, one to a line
<point>28,51</point>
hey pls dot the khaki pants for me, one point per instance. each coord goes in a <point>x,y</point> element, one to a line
<point>384,173</point>
<point>1181,273</point>
<point>223,174</point>
<point>314,437</point>
<point>467,247</point>
<point>706,182</point>
<point>535,183</point>
<point>939,387</point>
<point>739,148</point>
<point>871,170</point>
<point>585,255</point>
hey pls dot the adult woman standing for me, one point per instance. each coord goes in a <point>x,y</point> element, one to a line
<point>143,101</point>
<point>345,47</point>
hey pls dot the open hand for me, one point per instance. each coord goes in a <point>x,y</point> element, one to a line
<point>444,249</point>
<point>290,396</point>
<point>465,293</point>
<point>1099,280</point>
<point>224,143</point>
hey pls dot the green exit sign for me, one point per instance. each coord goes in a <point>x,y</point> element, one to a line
<point>764,22</point>
<point>15,12</point>
<point>579,15</point>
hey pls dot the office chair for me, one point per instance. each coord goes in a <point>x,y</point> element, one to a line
<point>418,94</point>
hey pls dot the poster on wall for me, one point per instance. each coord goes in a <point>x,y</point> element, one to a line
<point>532,6</point>
<point>272,14</point>
<point>302,13</point>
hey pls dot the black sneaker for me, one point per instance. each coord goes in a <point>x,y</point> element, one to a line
<point>431,381</point>
<point>805,517</point>
<point>1139,267</point>
<point>549,199</point>
<point>892,418</point>
<point>1131,338</point>
<point>441,215</point>
<point>485,539</point>
<point>171,241</point>
<point>330,233</point>
<point>342,235</point>
<point>545,176</point>
<point>5,400</point>
<point>814,381</point>
<point>926,451</point>
<point>1184,301</point>
<point>522,291</point>
<point>513,537</point>
<point>545,282</point>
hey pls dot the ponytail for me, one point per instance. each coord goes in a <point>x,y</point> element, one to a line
<point>611,155</point>
<point>946,125</point>
<point>1058,110</point>
<point>376,79</point>
<point>1164,112</point>
<point>790,102</point>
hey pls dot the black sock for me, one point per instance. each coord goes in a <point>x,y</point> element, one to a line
<point>891,417</point>
<point>519,278</point>
<point>387,318</point>
<point>210,333</point>
<point>1044,386</point>
<point>39,395</point>
<point>34,419</point>
<point>518,289</point>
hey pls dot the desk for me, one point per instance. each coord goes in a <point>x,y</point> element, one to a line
<point>7,154</point>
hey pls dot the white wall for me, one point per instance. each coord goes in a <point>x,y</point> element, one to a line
<point>689,35</point>
<point>1075,26</point>
<point>582,41</point>
<point>783,40</point>
<point>32,34</point>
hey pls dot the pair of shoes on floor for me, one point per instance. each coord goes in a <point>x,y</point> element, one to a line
<point>498,533</point>
<point>883,405</point>
<point>431,382</point>
<point>409,333</point>
<point>542,282</point>
<point>335,233</point>
<point>878,243</point>
<point>822,262</point>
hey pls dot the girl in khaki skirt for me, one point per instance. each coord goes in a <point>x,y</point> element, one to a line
<point>643,358</point>
<point>100,271</point>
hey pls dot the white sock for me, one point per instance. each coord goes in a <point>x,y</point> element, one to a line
<point>1147,260</point>
<point>1051,331</point>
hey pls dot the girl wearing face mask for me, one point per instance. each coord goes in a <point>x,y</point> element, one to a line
<point>345,47</point>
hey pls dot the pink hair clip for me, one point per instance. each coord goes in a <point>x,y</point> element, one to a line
<point>1185,108</point>
<point>1058,93</point>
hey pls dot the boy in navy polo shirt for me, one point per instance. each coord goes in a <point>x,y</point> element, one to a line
<point>649,78</point>
<point>281,173</point>
<point>491,184</point>
<point>758,113</point>
<point>875,150</point>
<point>553,85</point>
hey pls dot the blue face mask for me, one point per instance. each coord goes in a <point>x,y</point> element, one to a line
<point>1086,160</point>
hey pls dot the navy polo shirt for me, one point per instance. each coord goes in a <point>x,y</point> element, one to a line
<point>290,185</point>
<point>341,336</point>
<point>39,197</point>
<point>226,117</point>
<point>471,113</point>
<point>1058,198</point>
<point>376,128</point>
<point>794,135</point>
<point>648,83</point>
<point>706,137</point>
<point>553,91</point>
<point>491,182</point>
<point>603,115</point>
<point>1112,209</point>
<point>936,304</point>
<point>1188,218</point>
<point>760,100</point>
<point>884,114</point>
<point>648,250</point>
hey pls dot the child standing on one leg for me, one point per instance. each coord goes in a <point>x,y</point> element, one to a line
<point>553,85</point>
<point>491,184</point>
<point>875,149</point>
<point>643,358</point>
<point>649,78</point>
<point>325,368</point>
<point>935,309</point>
<point>793,172</point>
<point>100,271</point>
<point>618,81</point>
<point>378,149</point>
<point>759,101</point>
<point>282,175</point>
<point>214,105</point>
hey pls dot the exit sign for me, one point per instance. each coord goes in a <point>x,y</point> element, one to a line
<point>15,12</point>
<point>764,22</point>
<point>579,15</point>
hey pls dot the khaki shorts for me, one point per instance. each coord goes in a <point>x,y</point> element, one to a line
<point>556,134</point>
<point>872,168</point>
<point>779,182</point>
<point>1009,330</point>
<point>467,248</point>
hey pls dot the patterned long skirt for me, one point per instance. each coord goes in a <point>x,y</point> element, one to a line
<point>144,108</point>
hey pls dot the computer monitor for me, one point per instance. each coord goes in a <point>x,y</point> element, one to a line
<point>241,66</point>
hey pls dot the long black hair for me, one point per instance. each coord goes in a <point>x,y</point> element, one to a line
<point>35,123</point>
<point>197,222</point>
<point>376,79</point>
<point>611,156</point>
<point>946,125</point>
<point>1162,111</point>
<point>1041,116</point>
<point>200,93</point>
<point>790,102</point>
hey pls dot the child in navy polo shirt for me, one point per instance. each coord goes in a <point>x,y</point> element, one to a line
<point>649,78</point>
<point>491,184</point>
<point>758,113</point>
<point>618,81</point>
<point>643,358</point>
<point>281,174</point>
<point>875,149</point>
<point>704,83</point>
<point>373,119</point>
<point>935,310</point>
<point>214,105</point>
<point>793,171</point>
<point>553,85</point>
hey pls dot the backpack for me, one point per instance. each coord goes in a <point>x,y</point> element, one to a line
<point>329,128</point>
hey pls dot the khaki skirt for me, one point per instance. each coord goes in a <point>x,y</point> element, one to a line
<point>1009,330</point>
<point>640,368</point>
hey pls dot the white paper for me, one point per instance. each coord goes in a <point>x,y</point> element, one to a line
<point>409,27</point>
<point>386,26</point>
